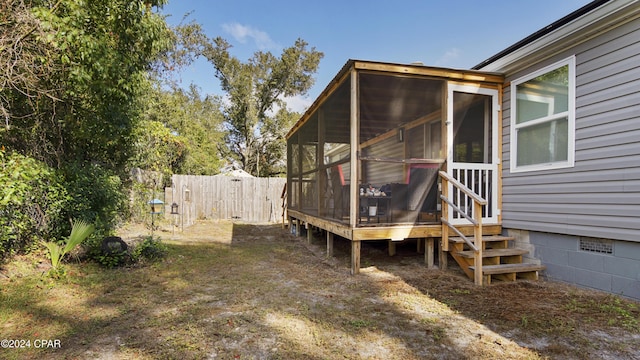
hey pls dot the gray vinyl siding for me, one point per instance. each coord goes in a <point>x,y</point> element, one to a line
<point>381,173</point>
<point>600,195</point>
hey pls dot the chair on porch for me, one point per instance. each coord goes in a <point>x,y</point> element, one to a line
<point>421,193</point>
<point>340,192</point>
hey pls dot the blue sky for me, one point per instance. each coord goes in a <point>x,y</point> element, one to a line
<point>446,33</point>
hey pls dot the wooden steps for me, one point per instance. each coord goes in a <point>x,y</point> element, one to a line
<point>485,239</point>
<point>510,272</point>
<point>500,260</point>
<point>494,252</point>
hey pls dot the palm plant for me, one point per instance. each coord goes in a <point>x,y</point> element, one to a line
<point>80,230</point>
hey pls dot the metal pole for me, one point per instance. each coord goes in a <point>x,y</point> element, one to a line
<point>183,209</point>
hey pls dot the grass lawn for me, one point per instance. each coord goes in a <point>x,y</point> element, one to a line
<point>238,291</point>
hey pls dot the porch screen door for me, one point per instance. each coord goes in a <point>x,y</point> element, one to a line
<point>472,153</point>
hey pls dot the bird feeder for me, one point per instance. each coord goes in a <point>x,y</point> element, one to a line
<point>156,206</point>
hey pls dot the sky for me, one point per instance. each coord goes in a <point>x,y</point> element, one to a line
<point>445,33</point>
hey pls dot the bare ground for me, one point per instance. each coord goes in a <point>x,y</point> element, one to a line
<point>238,291</point>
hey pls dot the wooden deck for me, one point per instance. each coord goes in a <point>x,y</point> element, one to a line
<point>395,232</point>
<point>381,231</point>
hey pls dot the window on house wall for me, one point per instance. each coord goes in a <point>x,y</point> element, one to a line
<point>543,118</point>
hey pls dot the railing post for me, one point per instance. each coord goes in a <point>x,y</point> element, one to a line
<point>444,214</point>
<point>477,240</point>
<point>475,218</point>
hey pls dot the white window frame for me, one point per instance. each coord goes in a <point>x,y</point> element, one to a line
<point>570,114</point>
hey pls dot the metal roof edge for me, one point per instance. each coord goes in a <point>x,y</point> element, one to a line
<point>554,32</point>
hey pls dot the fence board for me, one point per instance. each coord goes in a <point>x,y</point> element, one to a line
<point>254,200</point>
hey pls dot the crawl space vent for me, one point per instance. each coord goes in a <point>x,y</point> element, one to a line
<point>601,246</point>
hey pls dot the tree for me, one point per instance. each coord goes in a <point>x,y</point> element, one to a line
<point>26,60</point>
<point>73,77</point>
<point>84,102</point>
<point>273,154</point>
<point>187,119</point>
<point>255,90</point>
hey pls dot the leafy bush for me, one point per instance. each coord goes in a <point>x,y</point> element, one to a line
<point>32,200</point>
<point>113,259</point>
<point>149,249</point>
<point>99,196</point>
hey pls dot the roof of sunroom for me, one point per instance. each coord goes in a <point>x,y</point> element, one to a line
<point>416,71</point>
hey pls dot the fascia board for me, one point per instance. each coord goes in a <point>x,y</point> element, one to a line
<point>612,14</point>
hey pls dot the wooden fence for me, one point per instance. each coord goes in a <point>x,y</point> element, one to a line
<point>246,199</point>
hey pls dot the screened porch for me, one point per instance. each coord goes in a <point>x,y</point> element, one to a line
<point>368,151</point>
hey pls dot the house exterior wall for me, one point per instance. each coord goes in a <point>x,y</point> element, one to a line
<point>600,195</point>
<point>566,260</point>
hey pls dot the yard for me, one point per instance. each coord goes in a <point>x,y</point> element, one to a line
<point>238,291</point>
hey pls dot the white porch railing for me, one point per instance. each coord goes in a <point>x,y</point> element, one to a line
<point>482,179</point>
<point>449,207</point>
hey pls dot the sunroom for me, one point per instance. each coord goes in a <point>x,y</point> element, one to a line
<point>367,159</point>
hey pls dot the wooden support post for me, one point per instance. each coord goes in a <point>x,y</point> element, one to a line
<point>354,140</point>
<point>322,171</point>
<point>392,248</point>
<point>298,230</point>
<point>355,257</point>
<point>442,257</point>
<point>429,253</point>
<point>445,215</point>
<point>329,244</point>
<point>309,228</point>
<point>477,232</point>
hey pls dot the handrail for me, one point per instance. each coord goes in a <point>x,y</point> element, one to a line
<point>402,161</point>
<point>461,235</point>
<point>475,219</point>
<point>458,210</point>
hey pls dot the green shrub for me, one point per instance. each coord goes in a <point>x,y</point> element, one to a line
<point>113,259</point>
<point>99,196</point>
<point>32,201</point>
<point>149,249</point>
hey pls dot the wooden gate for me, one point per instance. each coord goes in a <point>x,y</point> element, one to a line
<point>254,200</point>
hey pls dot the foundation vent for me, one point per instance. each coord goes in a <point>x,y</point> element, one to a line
<point>601,246</point>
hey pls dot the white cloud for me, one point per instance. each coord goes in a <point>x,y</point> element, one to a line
<point>449,57</point>
<point>298,103</point>
<point>244,33</point>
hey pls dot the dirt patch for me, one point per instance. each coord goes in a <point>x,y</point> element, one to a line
<point>239,291</point>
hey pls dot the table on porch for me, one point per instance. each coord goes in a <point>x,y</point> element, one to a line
<point>379,202</point>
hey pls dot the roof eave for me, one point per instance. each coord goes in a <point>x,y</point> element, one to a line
<point>575,28</point>
<point>406,69</point>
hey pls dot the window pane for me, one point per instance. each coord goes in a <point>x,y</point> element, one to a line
<point>530,109</point>
<point>543,143</point>
<point>544,95</point>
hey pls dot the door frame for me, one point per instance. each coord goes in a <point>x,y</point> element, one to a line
<point>487,171</point>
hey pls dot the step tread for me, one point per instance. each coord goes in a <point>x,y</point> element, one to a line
<point>509,268</point>
<point>494,252</point>
<point>486,238</point>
